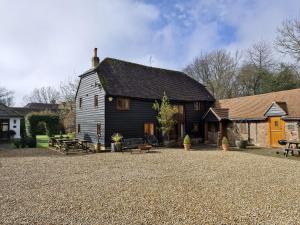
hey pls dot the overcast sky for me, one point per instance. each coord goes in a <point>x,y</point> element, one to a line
<point>44,42</point>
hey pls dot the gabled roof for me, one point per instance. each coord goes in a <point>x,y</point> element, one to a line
<point>121,78</point>
<point>219,114</point>
<point>41,106</point>
<point>6,112</point>
<point>255,106</point>
<point>277,109</point>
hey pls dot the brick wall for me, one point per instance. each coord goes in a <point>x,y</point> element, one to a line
<point>292,130</point>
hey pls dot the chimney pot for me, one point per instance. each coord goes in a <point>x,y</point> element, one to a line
<point>95,59</point>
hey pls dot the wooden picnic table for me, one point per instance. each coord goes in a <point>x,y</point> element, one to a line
<point>83,144</point>
<point>293,145</point>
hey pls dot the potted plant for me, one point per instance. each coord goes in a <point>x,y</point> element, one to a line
<point>187,142</point>
<point>225,144</point>
<point>116,145</point>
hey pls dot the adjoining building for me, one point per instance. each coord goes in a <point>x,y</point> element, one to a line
<point>261,119</point>
<point>9,121</point>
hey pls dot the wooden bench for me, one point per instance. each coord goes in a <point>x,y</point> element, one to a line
<point>132,143</point>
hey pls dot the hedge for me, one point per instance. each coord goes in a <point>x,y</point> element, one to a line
<point>32,121</point>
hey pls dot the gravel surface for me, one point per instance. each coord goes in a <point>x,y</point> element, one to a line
<point>167,187</point>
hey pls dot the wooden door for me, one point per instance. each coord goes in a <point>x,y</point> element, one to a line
<point>276,130</point>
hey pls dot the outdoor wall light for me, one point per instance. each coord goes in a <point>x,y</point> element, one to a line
<point>110,99</point>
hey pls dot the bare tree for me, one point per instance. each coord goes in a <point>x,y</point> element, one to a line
<point>260,55</point>
<point>288,38</point>
<point>257,66</point>
<point>43,95</point>
<point>217,71</point>
<point>68,89</point>
<point>6,96</point>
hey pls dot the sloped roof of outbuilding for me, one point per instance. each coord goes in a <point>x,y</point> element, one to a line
<point>255,106</point>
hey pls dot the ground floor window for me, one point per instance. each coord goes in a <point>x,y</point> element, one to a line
<point>98,129</point>
<point>78,128</point>
<point>148,129</point>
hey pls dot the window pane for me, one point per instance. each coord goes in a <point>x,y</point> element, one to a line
<point>123,103</point>
<point>96,100</point>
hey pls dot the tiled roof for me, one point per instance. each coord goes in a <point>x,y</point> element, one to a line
<point>219,113</point>
<point>254,107</point>
<point>8,112</point>
<point>121,78</point>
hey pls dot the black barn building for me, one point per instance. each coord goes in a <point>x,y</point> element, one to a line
<point>117,96</point>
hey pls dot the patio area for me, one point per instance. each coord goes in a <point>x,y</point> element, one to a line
<point>167,186</point>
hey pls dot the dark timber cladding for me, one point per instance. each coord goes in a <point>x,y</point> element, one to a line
<point>126,93</point>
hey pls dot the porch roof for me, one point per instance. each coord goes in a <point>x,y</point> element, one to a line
<point>218,114</point>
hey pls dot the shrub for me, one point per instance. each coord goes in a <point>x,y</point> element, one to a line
<point>71,135</point>
<point>23,142</point>
<point>117,138</point>
<point>31,142</point>
<point>17,143</point>
<point>225,141</point>
<point>187,140</point>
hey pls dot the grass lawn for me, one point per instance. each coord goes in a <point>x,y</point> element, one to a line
<point>168,186</point>
<point>42,141</point>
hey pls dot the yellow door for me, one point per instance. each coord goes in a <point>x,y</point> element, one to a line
<point>277,130</point>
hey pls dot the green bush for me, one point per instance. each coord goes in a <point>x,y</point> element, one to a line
<point>31,142</point>
<point>225,141</point>
<point>187,140</point>
<point>23,142</point>
<point>17,143</point>
<point>71,135</point>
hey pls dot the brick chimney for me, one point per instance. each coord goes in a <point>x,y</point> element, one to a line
<point>95,59</point>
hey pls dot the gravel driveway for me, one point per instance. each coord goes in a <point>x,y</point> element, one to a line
<point>168,187</point>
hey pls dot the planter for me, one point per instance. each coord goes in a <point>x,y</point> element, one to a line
<point>113,147</point>
<point>225,147</point>
<point>118,147</point>
<point>98,147</point>
<point>187,147</point>
<point>241,144</point>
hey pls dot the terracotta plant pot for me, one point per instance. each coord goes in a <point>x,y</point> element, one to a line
<point>225,147</point>
<point>187,147</point>
<point>98,147</point>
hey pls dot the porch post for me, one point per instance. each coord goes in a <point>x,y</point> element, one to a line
<point>221,133</point>
<point>205,132</point>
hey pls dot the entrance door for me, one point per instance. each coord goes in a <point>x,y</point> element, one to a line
<point>277,130</point>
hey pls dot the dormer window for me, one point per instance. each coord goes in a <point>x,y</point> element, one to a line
<point>123,103</point>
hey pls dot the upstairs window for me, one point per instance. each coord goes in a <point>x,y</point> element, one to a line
<point>123,103</point>
<point>179,109</point>
<point>197,106</point>
<point>80,103</point>
<point>78,128</point>
<point>96,101</point>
